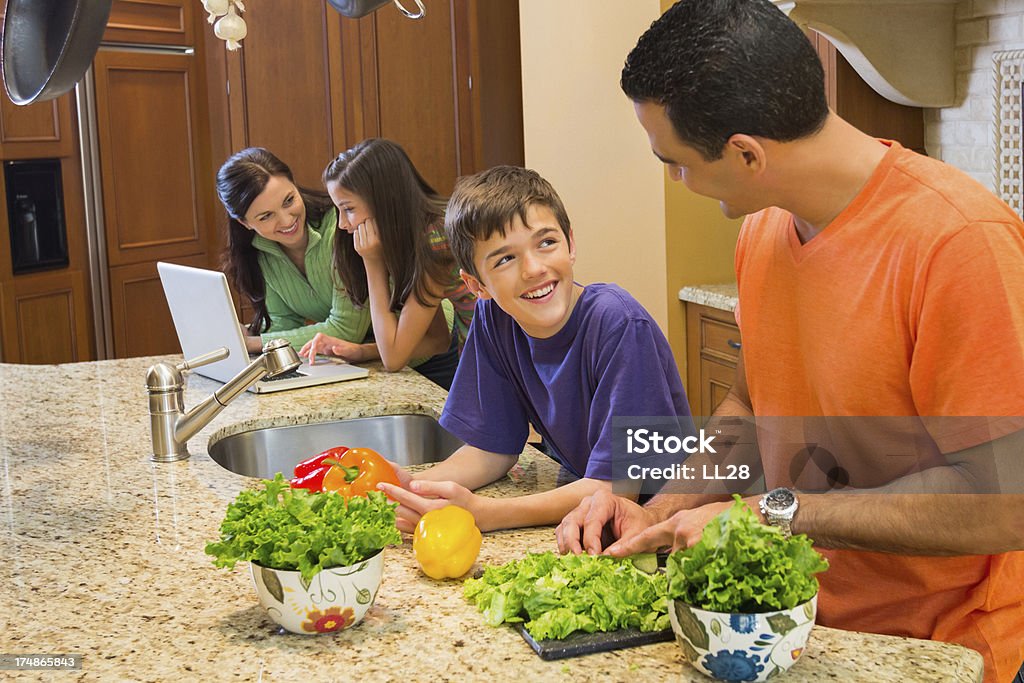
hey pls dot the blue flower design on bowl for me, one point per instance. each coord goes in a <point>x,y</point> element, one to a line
<point>733,666</point>
<point>743,623</point>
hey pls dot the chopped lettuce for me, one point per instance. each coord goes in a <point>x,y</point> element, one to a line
<point>743,566</point>
<point>285,528</point>
<point>559,594</point>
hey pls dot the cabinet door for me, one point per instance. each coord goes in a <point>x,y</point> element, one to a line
<point>488,83</point>
<point>446,87</point>
<point>412,69</point>
<point>151,22</point>
<point>715,381</point>
<point>148,123</point>
<point>46,319</point>
<point>140,318</point>
<point>38,130</point>
<point>712,349</point>
<point>280,88</point>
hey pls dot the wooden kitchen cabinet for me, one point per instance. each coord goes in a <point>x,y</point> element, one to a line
<point>44,318</point>
<point>447,87</point>
<point>37,131</point>
<point>712,349</point>
<point>142,323</point>
<point>154,190</point>
<point>151,22</point>
<point>854,100</point>
<point>156,176</point>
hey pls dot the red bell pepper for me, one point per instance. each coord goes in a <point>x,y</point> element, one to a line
<point>317,461</point>
<point>312,481</point>
<point>310,473</point>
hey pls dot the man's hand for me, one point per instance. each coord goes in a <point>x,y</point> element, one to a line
<point>679,531</point>
<point>581,529</point>
<point>420,497</point>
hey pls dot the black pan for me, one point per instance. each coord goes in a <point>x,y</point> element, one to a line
<point>48,45</point>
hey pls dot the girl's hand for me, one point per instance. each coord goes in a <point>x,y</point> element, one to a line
<point>253,344</point>
<point>331,346</point>
<point>367,241</point>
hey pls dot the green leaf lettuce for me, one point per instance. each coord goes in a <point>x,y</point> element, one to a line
<point>743,566</point>
<point>559,594</point>
<point>292,529</point>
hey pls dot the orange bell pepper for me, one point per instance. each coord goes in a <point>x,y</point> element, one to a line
<point>358,471</point>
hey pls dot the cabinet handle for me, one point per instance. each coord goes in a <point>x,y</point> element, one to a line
<point>733,344</point>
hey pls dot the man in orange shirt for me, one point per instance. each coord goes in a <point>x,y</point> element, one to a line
<point>881,306</point>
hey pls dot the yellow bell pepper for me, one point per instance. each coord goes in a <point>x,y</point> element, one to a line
<point>446,542</point>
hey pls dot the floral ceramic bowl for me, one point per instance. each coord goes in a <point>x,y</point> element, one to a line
<point>333,600</point>
<point>742,647</point>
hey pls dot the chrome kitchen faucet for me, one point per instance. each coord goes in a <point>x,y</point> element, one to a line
<point>172,427</point>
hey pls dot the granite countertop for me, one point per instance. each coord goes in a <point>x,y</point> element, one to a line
<point>104,556</point>
<point>716,296</point>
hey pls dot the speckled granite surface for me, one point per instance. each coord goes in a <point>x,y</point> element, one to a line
<point>104,557</point>
<point>717,296</point>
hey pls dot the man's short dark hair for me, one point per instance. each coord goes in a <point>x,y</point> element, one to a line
<point>722,67</point>
<point>488,202</point>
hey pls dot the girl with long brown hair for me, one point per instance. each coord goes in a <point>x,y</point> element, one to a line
<point>391,255</point>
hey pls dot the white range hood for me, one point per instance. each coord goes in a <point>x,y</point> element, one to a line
<point>901,48</point>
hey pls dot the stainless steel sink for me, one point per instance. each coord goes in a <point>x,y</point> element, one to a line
<point>403,439</point>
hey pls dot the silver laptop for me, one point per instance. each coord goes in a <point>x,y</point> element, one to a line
<point>205,319</point>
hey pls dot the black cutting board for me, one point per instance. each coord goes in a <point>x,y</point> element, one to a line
<point>581,643</point>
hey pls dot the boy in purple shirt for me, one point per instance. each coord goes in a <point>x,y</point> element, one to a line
<point>542,350</point>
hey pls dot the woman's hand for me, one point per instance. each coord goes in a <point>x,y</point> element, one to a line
<point>367,241</point>
<point>331,346</point>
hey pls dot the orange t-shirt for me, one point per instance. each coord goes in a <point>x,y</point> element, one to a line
<point>910,303</point>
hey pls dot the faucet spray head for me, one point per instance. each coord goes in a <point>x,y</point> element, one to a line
<point>281,357</point>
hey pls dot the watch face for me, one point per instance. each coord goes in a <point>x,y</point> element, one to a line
<point>780,499</point>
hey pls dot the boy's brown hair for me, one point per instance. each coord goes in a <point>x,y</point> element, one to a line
<point>487,202</point>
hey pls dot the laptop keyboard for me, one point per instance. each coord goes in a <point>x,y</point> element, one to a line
<point>287,375</point>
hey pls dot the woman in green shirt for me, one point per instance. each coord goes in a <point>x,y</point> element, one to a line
<point>279,256</point>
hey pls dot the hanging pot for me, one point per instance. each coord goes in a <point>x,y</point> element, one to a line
<point>353,9</point>
<point>48,45</point>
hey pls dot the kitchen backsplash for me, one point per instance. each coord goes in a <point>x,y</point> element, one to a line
<point>965,135</point>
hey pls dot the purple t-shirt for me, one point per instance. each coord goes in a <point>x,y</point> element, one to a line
<point>610,360</point>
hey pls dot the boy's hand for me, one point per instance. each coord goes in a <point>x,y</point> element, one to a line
<point>420,497</point>
<point>366,240</point>
<point>404,478</point>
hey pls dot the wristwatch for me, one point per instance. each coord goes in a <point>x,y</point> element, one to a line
<point>779,507</point>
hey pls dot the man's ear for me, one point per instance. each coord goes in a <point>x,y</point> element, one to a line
<point>749,150</point>
<point>474,285</point>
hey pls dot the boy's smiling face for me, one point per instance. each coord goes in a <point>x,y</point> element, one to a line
<point>528,272</point>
